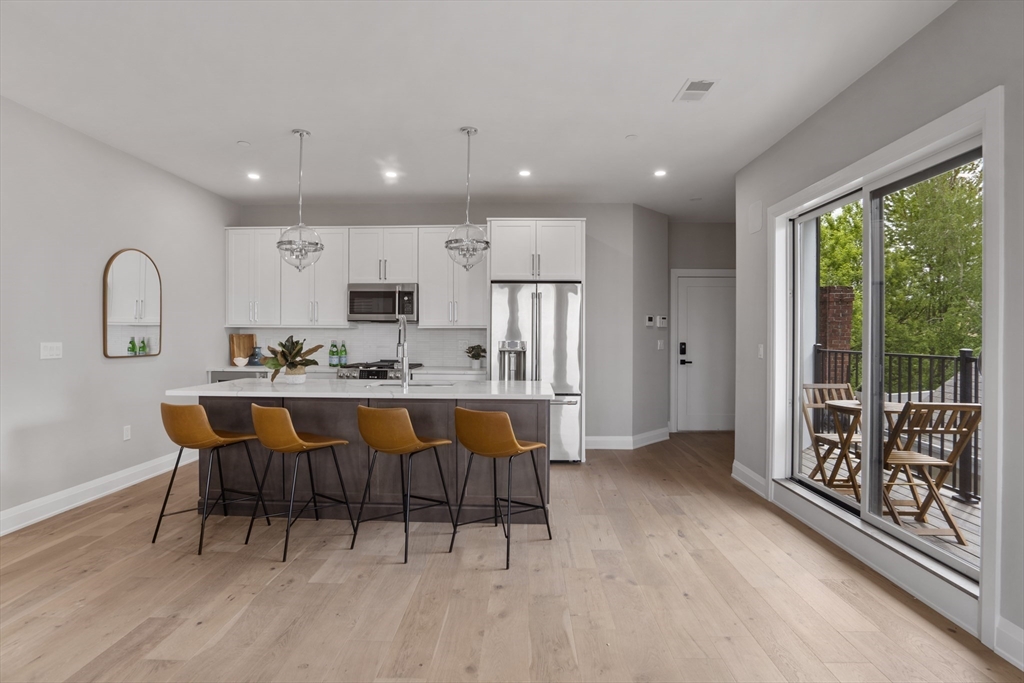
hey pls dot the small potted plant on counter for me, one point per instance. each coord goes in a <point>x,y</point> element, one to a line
<point>476,352</point>
<point>291,358</point>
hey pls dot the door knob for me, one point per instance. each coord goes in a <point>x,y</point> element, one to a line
<point>686,362</point>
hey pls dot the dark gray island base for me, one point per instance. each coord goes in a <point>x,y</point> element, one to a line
<point>336,417</point>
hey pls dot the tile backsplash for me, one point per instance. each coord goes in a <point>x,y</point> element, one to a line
<point>375,341</point>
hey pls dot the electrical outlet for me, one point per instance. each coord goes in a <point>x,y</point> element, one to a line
<point>51,350</point>
<point>661,344</point>
<point>127,432</point>
<point>760,350</point>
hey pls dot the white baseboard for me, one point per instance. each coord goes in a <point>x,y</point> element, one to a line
<point>626,443</point>
<point>749,478</point>
<point>647,438</point>
<point>39,509</point>
<point>1010,642</point>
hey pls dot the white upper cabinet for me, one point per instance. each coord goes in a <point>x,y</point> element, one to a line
<point>318,295</point>
<point>135,290</point>
<point>449,296</point>
<point>513,250</point>
<point>543,249</point>
<point>253,288</point>
<point>559,250</point>
<point>383,255</point>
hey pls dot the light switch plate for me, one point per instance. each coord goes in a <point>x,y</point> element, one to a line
<point>661,344</point>
<point>650,321</point>
<point>51,350</point>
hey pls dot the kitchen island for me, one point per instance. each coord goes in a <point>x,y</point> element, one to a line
<point>328,407</point>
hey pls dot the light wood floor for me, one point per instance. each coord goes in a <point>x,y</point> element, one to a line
<point>662,568</point>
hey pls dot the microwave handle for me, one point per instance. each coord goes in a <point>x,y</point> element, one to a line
<point>398,301</point>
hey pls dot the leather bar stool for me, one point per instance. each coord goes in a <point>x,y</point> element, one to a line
<point>390,431</point>
<point>276,432</point>
<point>490,435</point>
<point>189,427</point>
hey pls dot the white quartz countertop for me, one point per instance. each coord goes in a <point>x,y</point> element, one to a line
<point>326,369</point>
<point>362,388</point>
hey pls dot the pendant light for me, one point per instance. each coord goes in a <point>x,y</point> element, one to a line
<point>467,243</point>
<point>300,246</point>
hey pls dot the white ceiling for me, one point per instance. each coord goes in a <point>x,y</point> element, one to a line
<point>554,87</point>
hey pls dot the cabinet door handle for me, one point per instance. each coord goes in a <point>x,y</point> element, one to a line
<point>250,311</point>
<point>538,265</point>
<point>257,311</point>
<point>379,262</point>
<point>533,265</point>
<point>456,311</point>
<point>316,311</point>
<point>309,311</point>
<point>449,311</point>
<point>385,270</point>
<point>142,306</point>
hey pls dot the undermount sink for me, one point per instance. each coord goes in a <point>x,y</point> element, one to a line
<point>412,383</point>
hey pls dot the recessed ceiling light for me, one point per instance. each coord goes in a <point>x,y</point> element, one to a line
<point>659,173</point>
<point>524,173</point>
<point>390,174</point>
<point>254,176</point>
<point>242,143</point>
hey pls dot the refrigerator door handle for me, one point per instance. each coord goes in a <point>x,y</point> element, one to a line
<point>537,334</point>
<point>565,403</point>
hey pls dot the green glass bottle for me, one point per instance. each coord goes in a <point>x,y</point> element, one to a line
<point>343,354</point>
<point>333,357</point>
<point>133,350</point>
<point>143,349</point>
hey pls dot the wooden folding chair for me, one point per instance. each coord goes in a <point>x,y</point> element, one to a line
<point>955,424</point>
<point>825,443</point>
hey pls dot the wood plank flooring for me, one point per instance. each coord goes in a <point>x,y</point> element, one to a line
<point>662,569</point>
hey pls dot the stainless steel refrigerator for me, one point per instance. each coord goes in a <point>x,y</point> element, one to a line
<point>537,334</point>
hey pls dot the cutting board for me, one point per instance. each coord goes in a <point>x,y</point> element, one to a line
<point>241,346</point>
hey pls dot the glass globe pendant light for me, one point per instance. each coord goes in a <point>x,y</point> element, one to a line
<point>300,246</point>
<point>467,243</point>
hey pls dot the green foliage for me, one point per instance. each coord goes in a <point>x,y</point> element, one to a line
<point>933,273</point>
<point>289,356</point>
<point>476,352</point>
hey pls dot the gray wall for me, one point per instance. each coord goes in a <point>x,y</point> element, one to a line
<point>650,297</point>
<point>609,280</point>
<point>67,203</point>
<point>970,49</point>
<point>701,245</point>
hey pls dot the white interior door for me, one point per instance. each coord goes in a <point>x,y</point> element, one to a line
<point>706,386</point>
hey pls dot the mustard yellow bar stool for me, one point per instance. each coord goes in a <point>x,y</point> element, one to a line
<point>390,431</point>
<point>189,427</point>
<point>490,435</point>
<point>276,432</point>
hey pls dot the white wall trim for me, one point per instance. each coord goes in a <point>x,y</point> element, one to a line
<point>37,510</point>
<point>982,115</point>
<point>673,329</point>
<point>626,443</point>
<point>749,478</point>
<point>1010,642</point>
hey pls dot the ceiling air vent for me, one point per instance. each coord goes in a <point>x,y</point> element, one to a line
<point>693,91</point>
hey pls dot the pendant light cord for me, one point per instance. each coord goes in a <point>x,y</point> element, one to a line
<point>469,141</point>
<point>302,137</point>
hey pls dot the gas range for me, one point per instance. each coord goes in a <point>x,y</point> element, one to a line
<point>382,369</point>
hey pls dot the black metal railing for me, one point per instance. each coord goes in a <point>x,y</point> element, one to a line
<point>923,378</point>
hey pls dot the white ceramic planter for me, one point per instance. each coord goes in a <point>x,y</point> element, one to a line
<point>292,379</point>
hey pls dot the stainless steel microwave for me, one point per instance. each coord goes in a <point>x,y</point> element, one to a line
<point>383,303</point>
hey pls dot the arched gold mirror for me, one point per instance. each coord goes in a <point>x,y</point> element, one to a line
<point>131,306</point>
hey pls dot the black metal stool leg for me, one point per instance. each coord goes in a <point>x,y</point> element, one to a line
<point>344,492</point>
<point>256,480</point>
<point>407,495</point>
<point>206,499</point>
<point>163,508</point>
<point>458,513</point>
<point>444,487</point>
<point>223,492</point>
<point>540,492</point>
<point>259,493</point>
<point>508,534</point>
<point>362,504</point>
<point>291,506</point>
<point>494,471</point>
<point>312,487</point>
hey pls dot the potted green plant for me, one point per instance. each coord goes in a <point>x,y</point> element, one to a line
<point>291,358</point>
<point>475,353</point>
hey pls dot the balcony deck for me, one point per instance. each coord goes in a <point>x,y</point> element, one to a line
<point>968,518</point>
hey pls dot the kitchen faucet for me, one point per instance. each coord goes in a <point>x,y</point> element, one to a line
<point>403,350</point>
